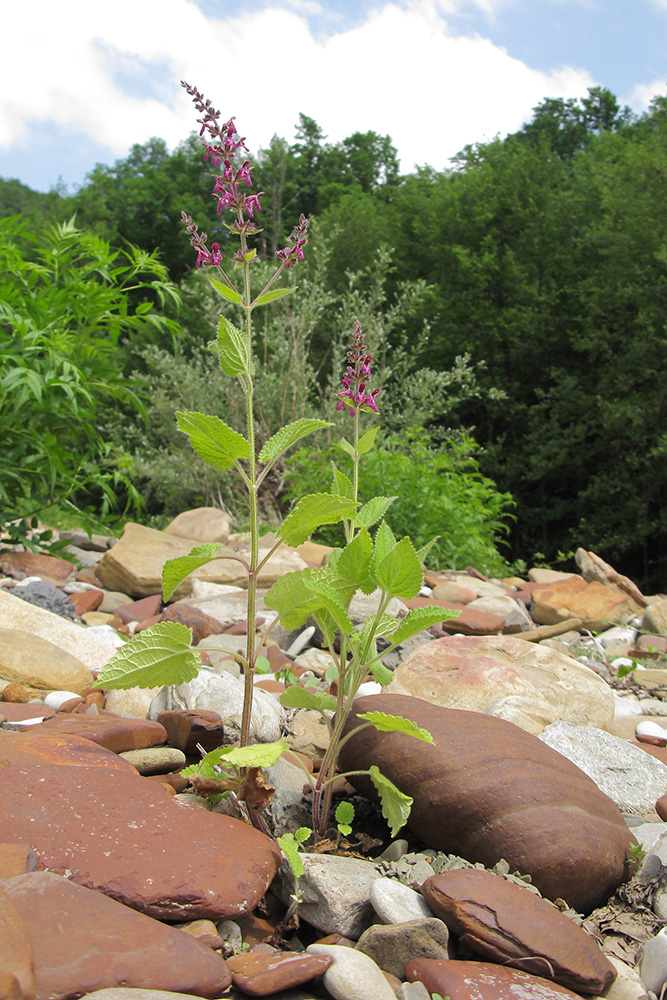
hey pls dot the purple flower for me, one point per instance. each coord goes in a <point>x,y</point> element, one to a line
<point>298,239</point>
<point>353,395</point>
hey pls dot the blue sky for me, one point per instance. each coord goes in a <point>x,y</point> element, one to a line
<point>433,74</point>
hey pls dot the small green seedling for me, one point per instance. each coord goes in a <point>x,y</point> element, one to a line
<point>344,816</point>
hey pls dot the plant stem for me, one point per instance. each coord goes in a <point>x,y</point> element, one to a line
<point>249,674</point>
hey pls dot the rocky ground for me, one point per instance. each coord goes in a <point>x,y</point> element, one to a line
<point>534,865</point>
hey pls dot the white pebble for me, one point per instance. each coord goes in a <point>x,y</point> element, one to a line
<point>650,729</point>
<point>368,687</point>
<point>353,975</point>
<point>107,634</point>
<point>55,699</point>
<point>301,641</point>
<point>396,903</point>
<point>653,964</point>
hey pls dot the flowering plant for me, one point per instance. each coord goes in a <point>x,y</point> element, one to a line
<point>381,565</point>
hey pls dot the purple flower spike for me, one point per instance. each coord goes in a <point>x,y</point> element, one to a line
<point>353,394</point>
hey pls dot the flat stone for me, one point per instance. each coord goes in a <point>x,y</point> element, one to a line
<point>391,946</point>
<point>486,790</point>
<point>44,595</point>
<point>38,663</point>
<point>505,923</point>
<point>468,621</point>
<point>202,624</point>
<point>73,639</point>
<point>157,760</point>
<point>16,859</point>
<point>260,974</point>
<point>134,701</point>
<point>483,981</point>
<point>654,618</point>
<point>631,777</point>
<point>139,611</point>
<point>30,710</point>
<point>526,684</point>
<point>597,605</point>
<point>353,975</point>
<point>201,524</point>
<point>449,590</point>
<point>117,734</point>
<point>186,728</point>
<point>515,618</point>
<point>396,903</point>
<point>16,954</point>
<point>96,942</point>
<point>335,892</point>
<point>87,813</point>
<point>22,564</point>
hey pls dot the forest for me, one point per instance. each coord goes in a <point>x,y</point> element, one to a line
<point>515,305</point>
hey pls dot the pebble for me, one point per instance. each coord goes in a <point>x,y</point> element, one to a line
<point>653,963</point>
<point>395,903</point>
<point>353,975</point>
<point>301,641</point>
<point>155,760</point>
<point>54,699</point>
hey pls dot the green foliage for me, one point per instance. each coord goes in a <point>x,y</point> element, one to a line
<point>70,309</point>
<point>290,844</point>
<point>161,654</point>
<point>344,816</point>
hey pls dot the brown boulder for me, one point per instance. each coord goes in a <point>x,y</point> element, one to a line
<point>265,973</point>
<point>96,943</point>
<point>16,958</point>
<point>87,813</point>
<point>112,732</point>
<point>202,625</point>
<point>505,923</point>
<point>468,621</point>
<point>483,981</point>
<point>188,727</point>
<point>598,606</point>
<point>487,790</point>
<point>22,564</point>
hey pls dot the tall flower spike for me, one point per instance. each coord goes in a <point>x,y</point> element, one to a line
<point>298,239</point>
<point>355,380</point>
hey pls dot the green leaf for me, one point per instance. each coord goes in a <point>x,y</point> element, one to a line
<point>365,442</point>
<point>347,447</point>
<point>257,755</point>
<point>355,562</point>
<point>384,543</point>
<point>421,618</point>
<point>175,570</point>
<point>162,654</point>
<point>298,697</point>
<point>342,485</point>
<point>372,511</point>
<point>262,665</point>
<point>333,603</point>
<point>292,598</point>
<point>289,435</point>
<point>400,572</point>
<point>310,513</point>
<point>213,440</point>
<point>290,848</point>
<point>425,549</point>
<point>381,673</point>
<point>344,812</point>
<point>395,805</point>
<point>272,295</point>
<point>385,723</point>
<point>227,293</point>
<point>302,834</point>
<point>233,350</point>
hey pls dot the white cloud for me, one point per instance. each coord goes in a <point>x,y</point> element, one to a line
<point>643,93</point>
<point>399,73</point>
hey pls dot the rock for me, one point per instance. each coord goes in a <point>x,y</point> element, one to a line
<point>483,981</point>
<point>396,903</point>
<point>629,776</point>
<point>467,621</point>
<point>134,701</point>
<point>201,524</point>
<point>96,942</point>
<point>16,859</point>
<point>121,993</point>
<point>202,625</point>
<point>224,694</point>
<point>16,953</point>
<point>15,693</point>
<point>73,639</point>
<point>44,595</point>
<point>335,892</point>
<point>288,808</point>
<point>598,606</point>
<point>139,611</point>
<point>449,590</point>
<point>229,606</point>
<point>54,699</point>
<point>392,945</point>
<point>541,576</point>
<point>21,564</point>
<point>157,760</point>
<point>505,923</point>
<point>114,599</point>
<point>107,731</point>
<point>515,617</point>
<point>30,660</point>
<point>93,817</point>
<point>653,963</point>
<point>486,790</point>
<point>308,733</point>
<point>594,568</point>
<point>353,975</point>
<point>654,618</point>
<point>528,685</point>
<point>262,974</point>
<point>86,601</point>
<point>362,606</point>
<point>19,712</point>
<point>188,728</point>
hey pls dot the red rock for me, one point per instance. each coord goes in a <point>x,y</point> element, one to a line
<point>262,974</point>
<point>598,606</point>
<point>469,621</point>
<point>16,859</point>
<point>661,808</point>
<point>16,956</point>
<point>95,943</point>
<point>505,923</point>
<point>138,611</point>
<point>487,790</point>
<point>21,564</point>
<point>87,812</point>
<point>186,728</point>
<point>87,600</point>
<point>482,980</point>
<point>142,626</point>
<point>10,988</point>
<point>71,705</point>
<point>14,712</point>
<point>201,624</point>
<point>278,660</point>
<point>270,685</point>
<point>111,731</point>
<point>15,693</point>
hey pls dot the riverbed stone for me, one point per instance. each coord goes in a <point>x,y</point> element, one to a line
<point>335,892</point>
<point>353,975</point>
<point>483,981</point>
<point>36,662</point>
<point>88,814</point>
<point>596,604</point>
<point>263,974</point>
<point>392,945</point>
<point>201,524</point>
<point>113,733</point>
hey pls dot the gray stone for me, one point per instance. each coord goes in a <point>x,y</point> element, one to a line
<point>335,892</point>
<point>44,595</point>
<point>391,946</point>
<point>396,903</point>
<point>84,557</point>
<point>155,760</point>
<point>633,779</point>
<point>134,701</point>
<point>353,975</point>
<point>653,963</point>
<point>288,808</point>
<point>362,606</point>
<point>412,991</point>
<point>308,733</point>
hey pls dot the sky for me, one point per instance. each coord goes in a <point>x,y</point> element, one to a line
<point>81,81</point>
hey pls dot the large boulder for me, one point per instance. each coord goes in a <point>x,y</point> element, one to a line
<point>487,790</point>
<point>515,680</point>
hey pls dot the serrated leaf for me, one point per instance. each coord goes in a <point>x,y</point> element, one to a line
<point>421,618</point>
<point>298,697</point>
<point>384,543</point>
<point>175,570</point>
<point>213,440</point>
<point>355,562</point>
<point>371,512</point>
<point>227,293</point>
<point>290,848</point>
<point>347,447</point>
<point>292,598</point>
<point>333,603</point>
<point>161,654</point>
<point>381,674</point>
<point>289,435</point>
<point>344,812</point>
<point>395,805</point>
<point>365,442</point>
<point>272,295</point>
<point>310,513</point>
<point>303,834</point>
<point>342,485</point>
<point>385,723</point>
<point>425,549</point>
<point>400,572</point>
<point>257,755</point>
<point>233,350</point>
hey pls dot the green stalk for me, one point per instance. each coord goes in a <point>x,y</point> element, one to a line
<point>254,523</point>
